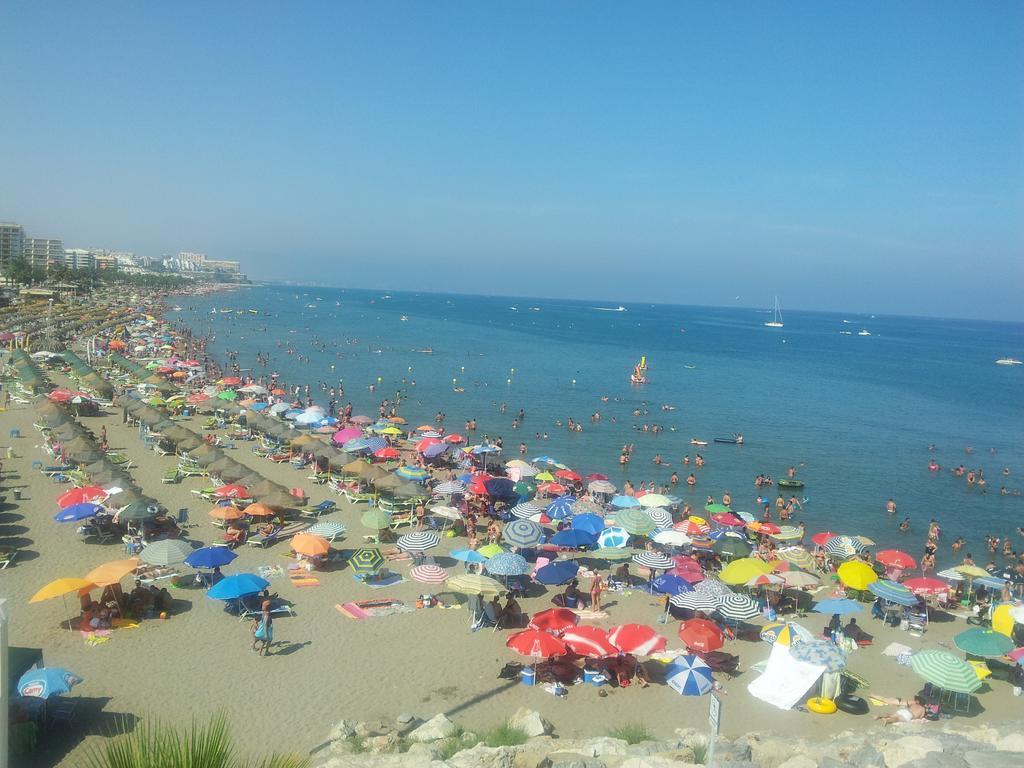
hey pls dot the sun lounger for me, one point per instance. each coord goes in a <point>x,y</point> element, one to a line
<point>172,475</point>
<point>356,498</point>
<point>259,540</point>
<point>252,607</point>
<point>319,477</point>
<point>7,557</point>
<point>323,508</point>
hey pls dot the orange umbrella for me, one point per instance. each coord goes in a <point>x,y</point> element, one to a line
<point>226,512</point>
<point>310,545</point>
<point>396,420</point>
<point>425,428</point>
<point>259,510</point>
<point>112,572</point>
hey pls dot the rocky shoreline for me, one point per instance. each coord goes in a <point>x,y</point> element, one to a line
<point>439,743</point>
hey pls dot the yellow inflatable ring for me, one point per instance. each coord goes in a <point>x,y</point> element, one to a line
<point>821,706</point>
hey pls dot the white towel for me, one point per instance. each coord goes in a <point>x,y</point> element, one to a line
<point>785,680</point>
<point>896,649</point>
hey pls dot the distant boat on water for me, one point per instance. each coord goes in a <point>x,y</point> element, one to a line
<point>864,332</point>
<point>1008,361</point>
<point>619,308</point>
<point>776,321</point>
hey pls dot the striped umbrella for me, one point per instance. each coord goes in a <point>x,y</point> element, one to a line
<point>653,560</point>
<point>637,639</point>
<point>523,534</point>
<point>612,536</point>
<point>787,533</point>
<point>366,560</point>
<point>945,670</point>
<point>166,552</point>
<point>419,541</point>
<point>634,520</point>
<point>475,584</point>
<point>449,487</point>
<point>526,510</point>
<point>412,473</point>
<point>588,506</point>
<point>601,486</point>
<point>798,556</point>
<point>695,601</point>
<point>662,517</point>
<point>329,529</point>
<point>590,642</point>
<point>712,586</point>
<point>892,592</point>
<point>612,553</point>
<point>738,607</point>
<point>375,519</point>
<point>843,547</point>
<point>689,675</point>
<point>507,564</point>
<point>561,508</point>
<point>827,655</point>
<point>428,573</point>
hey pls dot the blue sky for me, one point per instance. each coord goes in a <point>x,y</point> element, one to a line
<point>857,156</point>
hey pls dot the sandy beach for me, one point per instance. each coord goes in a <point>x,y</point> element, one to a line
<point>325,666</point>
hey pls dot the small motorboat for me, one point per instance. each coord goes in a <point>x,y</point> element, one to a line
<point>701,443</point>
<point>734,440</point>
<point>1008,361</point>
<point>790,483</point>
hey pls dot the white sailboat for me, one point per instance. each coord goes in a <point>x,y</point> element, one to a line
<point>776,321</point>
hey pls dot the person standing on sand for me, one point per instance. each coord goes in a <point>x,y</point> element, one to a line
<point>596,586</point>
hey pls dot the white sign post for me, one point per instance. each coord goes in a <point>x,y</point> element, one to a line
<point>714,720</point>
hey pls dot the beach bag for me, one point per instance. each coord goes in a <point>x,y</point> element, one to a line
<point>261,631</point>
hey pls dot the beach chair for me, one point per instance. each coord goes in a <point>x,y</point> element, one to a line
<point>320,478</point>
<point>355,498</point>
<point>401,517</point>
<point>119,459</point>
<point>323,508</point>
<point>253,606</point>
<point>282,534</point>
<point>192,471</point>
<point>172,475</point>
<point>7,557</point>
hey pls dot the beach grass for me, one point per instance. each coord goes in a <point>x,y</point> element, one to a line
<point>632,733</point>
<point>154,744</point>
<point>504,735</point>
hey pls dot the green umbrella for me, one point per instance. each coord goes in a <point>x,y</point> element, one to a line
<point>945,670</point>
<point>731,547</point>
<point>634,520</point>
<point>984,643</point>
<point>716,509</point>
<point>612,553</point>
<point>144,509</point>
<point>366,560</point>
<point>525,488</point>
<point>375,519</point>
<point>227,394</point>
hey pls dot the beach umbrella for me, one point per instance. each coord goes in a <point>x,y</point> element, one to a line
<point>573,539</point>
<point>342,436</point>
<point>654,500</point>
<point>490,550</point>
<point>924,585</point>
<point>945,670</point>
<point>843,547</point>
<point>328,529</point>
<point>112,572</point>
<point>536,644</point>
<point>728,519</point>
<point>985,643</point>
<point>762,528</point>
<point>500,488</point>
<point>612,553</point>
<point>554,620</point>
<point>475,584</point>
<point>387,453</point>
<point>61,588</point>
<point>258,509</point>
<point>892,592</point>
<point>44,682</point>
<point>449,488</point>
<point>672,538</point>
<point>78,512</point>
<point>661,518</point>
<point>589,642</point>
<point>624,502</point>
<point>821,539</point>
<point>375,519</point>
<point>570,475</point>
<point>366,560</point>
<point>785,633</point>
<point>742,570</point>
<point>525,489</point>
<point>695,601</point>
<point>613,537</point>
<point>766,579</point>
<point>701,635</point>
<point>80,495</point>
<point>310,545</point>
<point>428,573</point>
<point>210,557</point>
<point>526,510</point>
<point>558,572</point>
<point>226,512</point>
<point>638,639</point>
<point>856,574</point>
<point>561,508</point>
<point>717,509</point>
<point>428,442</point>
<point>738,607</point>
<point>787,533</point>
<point>800,579</point>
<point>418,541</point>
<point>634,520</point>
<point>522,534</point>
<point>653,560</point>
<point>165,552</point>
<point>468,556</point>
<point>712,586</point>
<point>601,486</point>
<point>689,675</point>
<point>841,605</point>
<point>589,506</point>
<point>144,509</point>
<point>587,522</point>
<point>237,586</point>
<point>731,548</point>
<point>670,584</point>
<point>412,473</point>
<point>231,491</point>
<point>448,513</point>
<point>894,558</point>
<point>507,564</point>
<point>798,556</point>
<point>821,653</point>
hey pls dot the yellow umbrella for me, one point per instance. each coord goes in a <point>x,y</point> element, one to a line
<point>1002,621</point>
<point>743,569</point>
<point>475,584</point>
<point>60,588</point>
<point>112,572</point>
<point>490,550</point>
<point>389,431</point>
<point>856,574</point>
<point>545,477</point>
<point>972,570</point>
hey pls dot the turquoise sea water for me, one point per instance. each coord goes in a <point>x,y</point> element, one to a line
<point>855,413</point>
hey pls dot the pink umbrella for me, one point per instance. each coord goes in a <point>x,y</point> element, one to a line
<point>342,436</point>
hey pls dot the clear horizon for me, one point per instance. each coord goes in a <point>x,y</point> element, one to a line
<point>863,159</point>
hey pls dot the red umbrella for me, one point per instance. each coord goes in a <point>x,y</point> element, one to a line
<point>568,474</point>
<point>555,620</point>
<point>728,519</point>
<point>60,395</point>
<point>766,528</point>
<point>387,453</point>
<point>923,585</point>
<point>638,639</point>
<point>554,488</point>
<point>591,642</point>
<point>231,381</point>
<point>454,439</point>
<point>198,397</point>
<point>166,369</point>
<point>536,644</point>
<point>701,635</point>
<point>426,442</point>
<point>233,491</point>
<point>596,476</point>
<point>690,528</point>
<point>895,559</point>
<point>822,538</point>
<point>80,496</point>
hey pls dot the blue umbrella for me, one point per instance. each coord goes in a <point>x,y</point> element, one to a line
<point>507,564</point>
<point>689,676</point>
<point>412,473</point>
<point>433,451</point>
<point>210,557</point>
<point>544,460</point>
<point>561,508</point>
<point>46,682</point>
<point>500,488</point>
<point>670,584</point>
<point>828,655</point>
<point>570,537</point>
<point>355,445</point>
<point>723,533</point>
<point>375,443</point>
<point>237,586</point>
<point>468,556</point>
<point>481,450</point>
<point>612,536</point>
<point>589,523</point>
<point>523,533</point>
<point>77,512</point>
<point>838,605</point>
<point>558,572</point>
<point>892,592</point>
<point>258,407</point>
<point>624,502</point>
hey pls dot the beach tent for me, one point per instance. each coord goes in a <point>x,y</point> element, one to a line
<point>785,680</point>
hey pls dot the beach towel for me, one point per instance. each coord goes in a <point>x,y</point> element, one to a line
<point>270,572</point>
<point>311,581</point>
<point>388,581</point>
<point>785,680</point>
<point>896,649</point>
<point>588,615</point>
<point>370,609</point>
